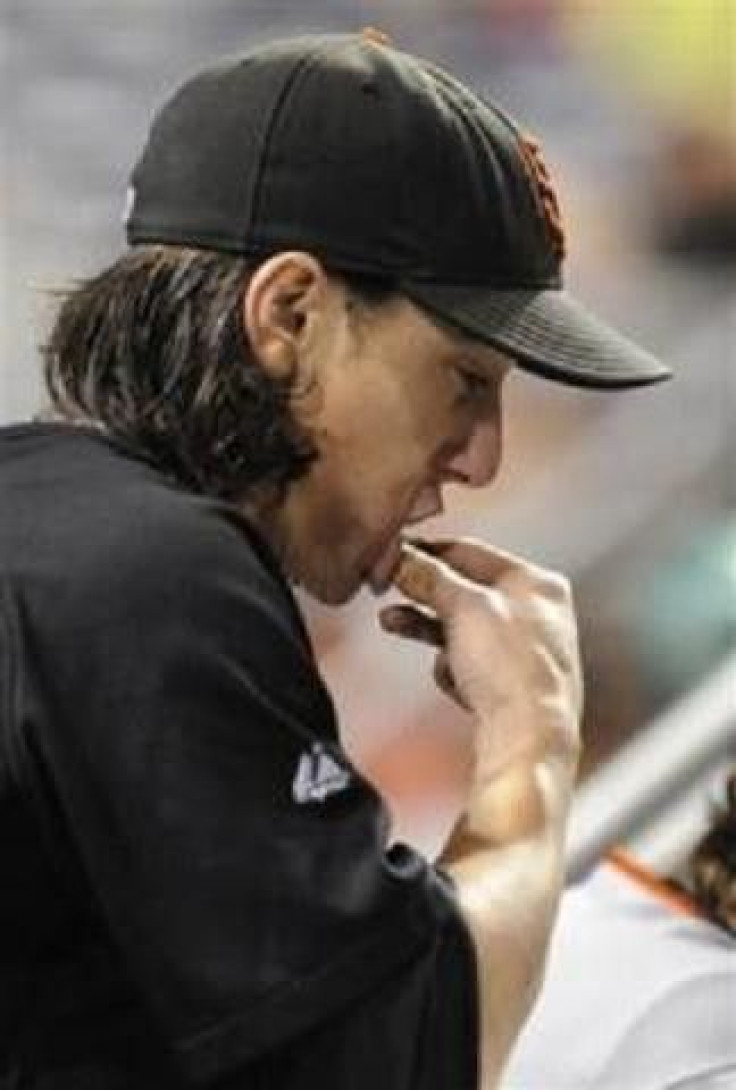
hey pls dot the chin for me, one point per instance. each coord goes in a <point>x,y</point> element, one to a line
<point>329,589</point>
<point>336,598</point>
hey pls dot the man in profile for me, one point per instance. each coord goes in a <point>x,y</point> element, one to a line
<point>337,254</point>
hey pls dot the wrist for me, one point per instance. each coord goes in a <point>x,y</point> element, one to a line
<point>528,799</point>
<point>527,732</point>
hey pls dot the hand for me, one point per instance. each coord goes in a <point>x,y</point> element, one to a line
<point>506,637</point>
<point>507,641</point>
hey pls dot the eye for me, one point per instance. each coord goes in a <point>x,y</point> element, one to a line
<point>473,387</point>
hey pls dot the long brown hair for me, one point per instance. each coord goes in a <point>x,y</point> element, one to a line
<point>712,864</point>
<point>152,348</point>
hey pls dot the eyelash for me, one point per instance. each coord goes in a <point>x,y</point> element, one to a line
<point>474,388</point>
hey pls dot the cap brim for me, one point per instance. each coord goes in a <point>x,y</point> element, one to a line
<point>546,331</point>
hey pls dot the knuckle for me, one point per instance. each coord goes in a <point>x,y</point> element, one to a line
<point>416,581</point>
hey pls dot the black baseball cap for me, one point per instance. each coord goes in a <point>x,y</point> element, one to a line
<point>379,163</point>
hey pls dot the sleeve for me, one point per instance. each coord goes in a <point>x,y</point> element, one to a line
<point>238,858</point>
<point>416,1030</point>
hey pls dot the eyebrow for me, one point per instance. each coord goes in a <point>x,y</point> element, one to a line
<point>470,346</point>
<point>471,358</point>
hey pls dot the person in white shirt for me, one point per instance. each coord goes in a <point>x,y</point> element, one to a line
<point>640,990</point>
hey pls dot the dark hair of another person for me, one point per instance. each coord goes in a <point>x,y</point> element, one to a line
<point>712,864</point>
<point>153,349</point>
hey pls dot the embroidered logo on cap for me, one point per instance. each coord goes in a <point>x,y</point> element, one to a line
<point>318,775</point>
<point>539,175</point>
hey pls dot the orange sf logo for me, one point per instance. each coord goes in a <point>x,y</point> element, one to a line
<point>539,174</point>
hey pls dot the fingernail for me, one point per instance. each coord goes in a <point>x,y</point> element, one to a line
<point>434,547</point>
<point>421,545</point>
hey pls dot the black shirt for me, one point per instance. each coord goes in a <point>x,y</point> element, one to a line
<point>195,881</point>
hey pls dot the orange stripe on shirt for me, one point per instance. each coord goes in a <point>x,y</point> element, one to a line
<point>680,902</point>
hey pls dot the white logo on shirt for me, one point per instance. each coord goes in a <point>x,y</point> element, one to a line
<point>318,775</point>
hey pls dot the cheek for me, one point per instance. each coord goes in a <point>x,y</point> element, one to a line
<point>370,473</point>
<point>385,458</point>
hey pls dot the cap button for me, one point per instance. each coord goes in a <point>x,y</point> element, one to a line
<point>376,36</point>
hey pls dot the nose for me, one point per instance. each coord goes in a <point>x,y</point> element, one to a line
<point>477,463</point>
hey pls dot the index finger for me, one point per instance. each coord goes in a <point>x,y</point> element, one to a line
<point>426,579</point>
<point>474,559</point>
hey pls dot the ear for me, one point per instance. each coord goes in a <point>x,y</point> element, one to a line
<point>281,309</point>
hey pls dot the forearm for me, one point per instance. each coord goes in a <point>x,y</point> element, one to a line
<point>507,651</point>
<point>507,859</point>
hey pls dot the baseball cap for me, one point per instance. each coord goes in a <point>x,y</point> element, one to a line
<point>383,164</point>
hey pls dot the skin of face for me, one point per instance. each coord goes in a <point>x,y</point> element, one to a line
<point>397,406</point>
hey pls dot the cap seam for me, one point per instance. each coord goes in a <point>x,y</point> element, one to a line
<point>287,90</point>
<point>517,137</point>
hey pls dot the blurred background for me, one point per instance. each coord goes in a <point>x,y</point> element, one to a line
<point>633,495</point>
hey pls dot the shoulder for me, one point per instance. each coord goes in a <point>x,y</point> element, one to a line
<point>120,528</point>
<point>685,1029</point>
<point>82,502</point>
<point>168,540</point>
<point>106,550</point>
<point>125,578</point>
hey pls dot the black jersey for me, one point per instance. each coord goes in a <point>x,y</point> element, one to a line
<point>196,887</point>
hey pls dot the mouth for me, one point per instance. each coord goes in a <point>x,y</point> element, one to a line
<point>381,573</point>
<point>382,563</point>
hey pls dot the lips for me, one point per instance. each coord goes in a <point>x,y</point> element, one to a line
<point>425,502</point>
<point>380,576</point>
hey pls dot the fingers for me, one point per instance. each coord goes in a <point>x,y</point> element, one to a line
<point>434,574</point>
<point>445,681</point>
<point>427,580</point>
<point>418,624</point>
<point>413,623</point>
<point>478,561</point>
<point>479,605</point>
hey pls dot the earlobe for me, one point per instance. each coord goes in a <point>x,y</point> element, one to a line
<point>279,307</point>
